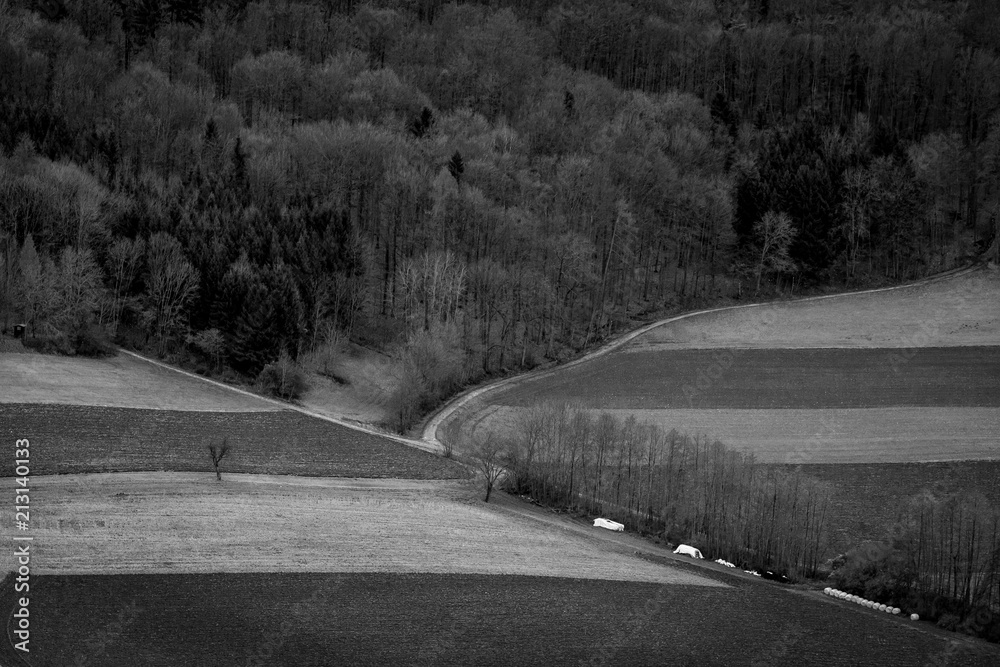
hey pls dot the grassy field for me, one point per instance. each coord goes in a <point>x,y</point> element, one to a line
<point>121,381</point>
<point>366,379</point>
<point>960,310</point>
<point>73,439</point>
<point>304,620</point>
<point>176,522</point>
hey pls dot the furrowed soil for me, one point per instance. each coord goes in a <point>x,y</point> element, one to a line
<point>121,381</point>
<point>311,620</point>
<point>177,522</point>
<point>75,439</point>
<point>774,379</point>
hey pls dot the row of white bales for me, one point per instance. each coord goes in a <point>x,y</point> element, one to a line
<point>871,604</point>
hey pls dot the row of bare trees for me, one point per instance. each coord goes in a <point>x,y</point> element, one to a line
<point>684,488</point>
<point>941,559</point>
<point>70,301</point>
<point>953,545</point>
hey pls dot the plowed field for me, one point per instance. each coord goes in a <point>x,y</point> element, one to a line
<point>313,620</point>
<point>72,439</point>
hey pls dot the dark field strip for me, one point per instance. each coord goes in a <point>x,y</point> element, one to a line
<point>385,619</point>
<point>867,497</point>
<point>77,439</point>
<point>808,378</point>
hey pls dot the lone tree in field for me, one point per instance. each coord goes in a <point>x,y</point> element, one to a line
<point>489,459</point>
<point>218,453</point>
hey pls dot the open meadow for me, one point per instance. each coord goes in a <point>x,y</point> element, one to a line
<point>961,310</point>
<point>122,381</point>
<point>124,523</point>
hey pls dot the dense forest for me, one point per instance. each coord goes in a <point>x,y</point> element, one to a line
<point>474,187</point>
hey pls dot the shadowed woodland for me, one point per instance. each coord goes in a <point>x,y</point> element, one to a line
<point>473,188</point>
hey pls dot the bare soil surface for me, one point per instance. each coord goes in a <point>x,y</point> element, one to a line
<point>176,522</point>
<point>72,439</point>
<point>774,379</point>
<point>121,381</point>
<point>322,619</point>
<point>960,310</point>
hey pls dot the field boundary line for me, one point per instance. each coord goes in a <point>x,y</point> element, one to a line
<point>430,430</point>
<point>431,447</point>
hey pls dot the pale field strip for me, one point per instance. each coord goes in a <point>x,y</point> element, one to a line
<point>118,523</point>
<point>120,382</point>
<point>853,435</point>
<point>958,311</point>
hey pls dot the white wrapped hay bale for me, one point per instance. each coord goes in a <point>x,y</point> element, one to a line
<point>687,550</point>
<point>609,524</point>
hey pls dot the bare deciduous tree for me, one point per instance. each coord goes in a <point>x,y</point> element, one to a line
<point>124,258</point>
<point>172,282</point>
<point>774,233</point>
<point>78,290</point>
<point>489,460</point>
<point>218,452</point>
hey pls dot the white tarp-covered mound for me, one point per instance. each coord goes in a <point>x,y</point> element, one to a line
<point>609,524</point>
<point>688,551</point>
